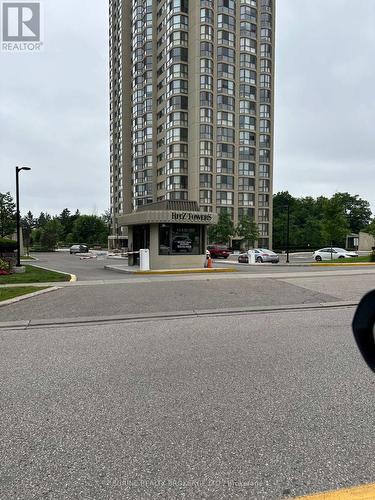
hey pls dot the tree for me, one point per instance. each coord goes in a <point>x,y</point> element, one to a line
<point>51,234</point>
<point>248,230</point>
<point>7,215</point>
<point>66,220</point>
<point>223,230</point>
<point>107,217</point>
<point>371,228</point>
<point>43,219</point>
<point>90,229</point>
<point>28,224</point>
<point>280,202</point>
<point>357,211</point>
<point>335,226</point>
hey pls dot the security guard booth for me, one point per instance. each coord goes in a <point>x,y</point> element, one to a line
<point>175,232</point>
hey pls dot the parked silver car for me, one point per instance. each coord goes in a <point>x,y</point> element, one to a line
<point>261,255</point>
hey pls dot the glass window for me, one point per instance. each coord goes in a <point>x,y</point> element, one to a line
<point>224,198</point>
<point>225,166</point>
<point>246,168</point>
<point>180,239</point>
<point>224,182</point>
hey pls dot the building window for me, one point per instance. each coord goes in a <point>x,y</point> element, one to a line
<point>246,168</point>
<point>224,182</point>
<point>224,198</point>
<point>246,184</point>
<point>206,132</point>
<point>246,199</point>
<point>205,164</point>
<point>205,197</point>
<point>206,115</point>
<point>205,181</point>
<point>225,166</point>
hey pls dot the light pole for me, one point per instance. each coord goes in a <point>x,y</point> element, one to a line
<point>287,231</point>
<point>18,170</point>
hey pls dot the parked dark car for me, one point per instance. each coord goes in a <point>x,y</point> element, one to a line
<point>218,251</point>
<point>78,249</point>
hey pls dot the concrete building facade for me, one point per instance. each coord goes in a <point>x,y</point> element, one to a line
<point>192,107</point>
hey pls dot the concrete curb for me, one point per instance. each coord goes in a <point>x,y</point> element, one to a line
<point>175,315</point>
<point>171,271</point>
<point>27,296</point>
<point>343,264</point>
<point>73,277</point>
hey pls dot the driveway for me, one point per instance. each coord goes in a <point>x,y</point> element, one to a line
<point>84,269</point>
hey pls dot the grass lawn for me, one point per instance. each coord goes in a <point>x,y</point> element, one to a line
<point>10,293</point>
<point>34,275</point>
<point>365,258</point>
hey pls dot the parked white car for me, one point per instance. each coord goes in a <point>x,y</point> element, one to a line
<point>334,253</point>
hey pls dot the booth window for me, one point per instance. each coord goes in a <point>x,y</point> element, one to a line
<point>180,239</point>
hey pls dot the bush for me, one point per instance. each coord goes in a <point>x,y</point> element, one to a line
<point>372,256</point>
<point>5,266</point>
<point>7,246</point>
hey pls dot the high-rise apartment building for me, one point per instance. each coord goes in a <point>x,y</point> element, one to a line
<point>192,106</point>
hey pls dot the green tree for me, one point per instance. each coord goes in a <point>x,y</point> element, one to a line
<point>28,224</point>
<point>223,230</point>
<point>43,219</point>
<point>248,230</point>
<point>357,211</point>
<point>7,215</point>
<point>371,228</point>
<point>66,220</point>
<point>90,229</point>
<point>51,234</point>
<point>280,202</point>
<point>335,225</point>
<point>107,218</point>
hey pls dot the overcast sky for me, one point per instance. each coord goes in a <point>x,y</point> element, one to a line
<point>54,105</point>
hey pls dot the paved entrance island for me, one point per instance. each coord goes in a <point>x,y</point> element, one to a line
<point>175,232</point>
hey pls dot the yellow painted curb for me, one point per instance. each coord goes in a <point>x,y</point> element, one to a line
<point>188,271</point>
<point>73,277</point>
<point>344,264</point>
<point>365,492</point>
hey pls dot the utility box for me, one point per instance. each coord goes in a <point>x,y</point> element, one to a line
<point>144,259</point>
<point>251,255</point>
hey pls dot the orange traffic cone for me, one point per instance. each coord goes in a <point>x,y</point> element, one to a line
<point>209,262</point>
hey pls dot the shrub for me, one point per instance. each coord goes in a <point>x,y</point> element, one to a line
<point>372,256</point>
<point>5,267</point>
<point>7,245</point>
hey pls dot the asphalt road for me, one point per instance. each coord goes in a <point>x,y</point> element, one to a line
<point>253,406</point>
<point>85,269</point>
<point>144,295</point>
<point>93,269</point>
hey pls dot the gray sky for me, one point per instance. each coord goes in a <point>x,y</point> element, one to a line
<point>54,105</point>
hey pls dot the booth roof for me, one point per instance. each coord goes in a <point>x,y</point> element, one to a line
<point>177,205</point>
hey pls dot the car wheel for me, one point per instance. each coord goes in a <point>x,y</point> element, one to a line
<point>318,258</point>
<point>259,260</point>
<point>341,257</point>
<point>226,257</point>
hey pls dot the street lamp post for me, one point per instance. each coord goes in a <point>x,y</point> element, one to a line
<point>18,170</point>
<point>287,232</point>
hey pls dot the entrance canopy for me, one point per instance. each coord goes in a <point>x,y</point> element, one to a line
<point>172,212</point>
